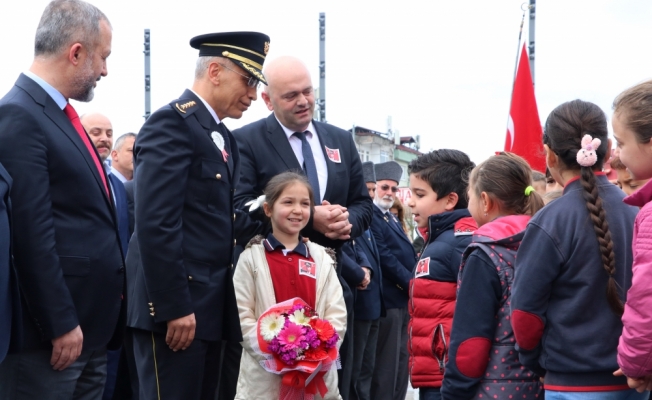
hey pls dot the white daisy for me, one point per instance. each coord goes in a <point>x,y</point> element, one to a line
<point>300,318</point>
<point>271,325</point>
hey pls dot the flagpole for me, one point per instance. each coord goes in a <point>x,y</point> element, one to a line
<point>532,8</point>
<point>518,55</point>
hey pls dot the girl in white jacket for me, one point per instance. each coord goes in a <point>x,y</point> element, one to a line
<point>281,267</point>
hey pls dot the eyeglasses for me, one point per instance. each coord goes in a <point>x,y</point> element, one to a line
<point>387,187</point>
<point>251,81</point>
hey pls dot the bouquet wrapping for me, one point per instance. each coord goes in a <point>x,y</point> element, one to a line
<point>298,345</point>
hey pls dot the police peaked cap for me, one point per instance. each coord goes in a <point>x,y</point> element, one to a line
<point>246,49</point>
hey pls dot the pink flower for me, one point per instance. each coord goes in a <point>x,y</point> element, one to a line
<point>291,337</point>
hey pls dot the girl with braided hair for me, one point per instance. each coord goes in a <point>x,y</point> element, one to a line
<point>574,266</point>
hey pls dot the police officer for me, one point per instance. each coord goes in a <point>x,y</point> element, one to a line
<point>182,302</point>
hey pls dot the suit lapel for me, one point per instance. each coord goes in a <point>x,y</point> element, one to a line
<point>393,225</point>
<point>208,123</point>
<point>325,140</point>
<point>281,144</point>
<point>370,244</point>
<point>59,118</point>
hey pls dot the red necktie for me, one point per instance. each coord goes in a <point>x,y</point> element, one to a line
<point>74,118</point>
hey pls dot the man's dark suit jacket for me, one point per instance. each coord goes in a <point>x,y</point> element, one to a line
<point>397,258</point>
<point>266,152</point>
<point>180,255</point>
<point>370,301</point>
<point>66,246</point>
<point>129,190</point>
<point>10,322</point>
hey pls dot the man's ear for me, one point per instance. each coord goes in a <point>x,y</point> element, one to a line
<point>451,201</point>
<point>215,72</point>
<point>74,53</point>
<point>267,100</point>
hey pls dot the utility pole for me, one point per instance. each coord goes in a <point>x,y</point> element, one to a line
<point>532,8</point>
<point>322,67</point>
<point>148,82</point>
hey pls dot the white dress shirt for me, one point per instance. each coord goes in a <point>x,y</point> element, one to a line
<point>117,174</point>
<point>317,154</point>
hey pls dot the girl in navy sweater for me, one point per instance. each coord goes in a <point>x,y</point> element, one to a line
<point>483,361</point>
<point>575,265</point>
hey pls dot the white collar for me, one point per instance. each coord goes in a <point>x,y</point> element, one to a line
<point>289,133</point>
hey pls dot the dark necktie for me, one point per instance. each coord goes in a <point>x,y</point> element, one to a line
<point>74,119</point>
<point>309,165</point>
<point>227,143</point>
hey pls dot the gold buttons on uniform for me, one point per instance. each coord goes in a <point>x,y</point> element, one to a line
<point>151,309</point>
<point>231,266</point>
<point>234,241</point>
<point>218,176</point>
<point>189,277</point>
<point>234,217</point>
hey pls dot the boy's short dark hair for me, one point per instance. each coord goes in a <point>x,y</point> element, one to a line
<point>447,171</point>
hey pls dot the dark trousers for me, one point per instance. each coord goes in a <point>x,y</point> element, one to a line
<point>112,363</point>
<point>163,374</point>
<point>364,358</point>
<point>29,375</point>
<point>346,349</point>
<point>391,369</point>
<point>231,354</point>
<point>429,394</point>
<point>126,385</point>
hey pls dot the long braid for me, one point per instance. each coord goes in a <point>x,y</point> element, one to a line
<point>601,228</point>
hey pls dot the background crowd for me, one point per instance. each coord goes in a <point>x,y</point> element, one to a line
<point>138,268</point>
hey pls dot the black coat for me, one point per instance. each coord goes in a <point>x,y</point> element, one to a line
<point>180,255</point>
<point>66,246</point>
<point>266,152</point>
<point>397,258</point>
<point>10,323</point>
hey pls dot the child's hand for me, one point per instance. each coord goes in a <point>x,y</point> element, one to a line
<point>640,384</point>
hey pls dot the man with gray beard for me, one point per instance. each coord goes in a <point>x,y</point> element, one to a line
<point>66,246</point>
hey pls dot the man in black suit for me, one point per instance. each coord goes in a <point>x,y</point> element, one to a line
<point>288,139</point>
<point>67,249</point>
<point>100,131</point>
<point>9,294</point>
<point>181,298</point>
<point>369,305</point>
<point>397,261</point>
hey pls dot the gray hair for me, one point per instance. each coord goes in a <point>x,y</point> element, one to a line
<point>65,22</point>
<point>204,62</point>
<point>121,140</point>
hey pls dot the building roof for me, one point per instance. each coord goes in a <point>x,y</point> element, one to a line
<point>408,149</point>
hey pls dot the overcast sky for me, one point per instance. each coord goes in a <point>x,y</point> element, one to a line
<point>441,69</point>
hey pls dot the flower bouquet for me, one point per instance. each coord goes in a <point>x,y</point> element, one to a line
<point>298,345</point>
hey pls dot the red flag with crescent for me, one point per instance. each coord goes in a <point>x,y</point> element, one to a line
<point>524,132</point>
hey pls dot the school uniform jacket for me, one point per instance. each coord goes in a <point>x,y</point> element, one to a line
<point>180,256</point>
<point>255,295</point>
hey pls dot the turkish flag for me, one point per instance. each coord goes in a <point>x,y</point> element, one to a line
<point>524,132</point>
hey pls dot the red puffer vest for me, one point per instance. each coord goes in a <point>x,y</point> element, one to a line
<point>431,308</point>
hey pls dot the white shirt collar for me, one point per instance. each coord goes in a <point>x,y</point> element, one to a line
<point>118,175</point>
<point>210,109</point>
<point>289,133</point>
<point>49,89</point>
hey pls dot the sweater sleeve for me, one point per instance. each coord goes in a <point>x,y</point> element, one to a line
<point>245,293</point>
<point>538,264</point>
<point>478,300</point>
<point>635,347</point>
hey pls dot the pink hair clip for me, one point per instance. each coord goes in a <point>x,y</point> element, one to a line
<point>587,156</point>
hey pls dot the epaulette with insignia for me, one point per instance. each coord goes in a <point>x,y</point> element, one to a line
<point>258,239</point>
<point>465,226</point>
<point>184,107</point>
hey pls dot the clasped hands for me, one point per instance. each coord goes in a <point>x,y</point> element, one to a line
<point>332,220</point>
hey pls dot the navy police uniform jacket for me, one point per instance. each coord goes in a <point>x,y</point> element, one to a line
<point>397,258</point>
<point>180,256</point>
